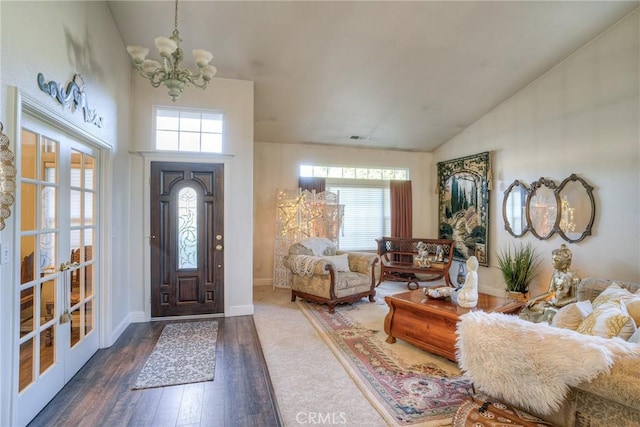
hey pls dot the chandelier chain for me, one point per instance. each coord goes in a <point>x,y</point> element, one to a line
<point>176,16</point>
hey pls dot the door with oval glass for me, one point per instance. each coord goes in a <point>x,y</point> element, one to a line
<point>186,224</point>
<point>57,281</point>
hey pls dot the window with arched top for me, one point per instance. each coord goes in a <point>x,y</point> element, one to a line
<point>187,229</point>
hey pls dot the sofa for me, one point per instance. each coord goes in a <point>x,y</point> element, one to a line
<point>324,275</point>
<point>554,372</point>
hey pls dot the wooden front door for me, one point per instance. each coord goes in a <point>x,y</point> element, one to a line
<point>187,257</point>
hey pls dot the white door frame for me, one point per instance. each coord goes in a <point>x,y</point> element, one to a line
<point>18,102</point>
<point>155,156</point>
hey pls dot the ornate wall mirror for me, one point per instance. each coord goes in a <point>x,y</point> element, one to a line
<point>514,209</point>
<point>577,209</point>
<point>542,208</point>
<point>7,177</point>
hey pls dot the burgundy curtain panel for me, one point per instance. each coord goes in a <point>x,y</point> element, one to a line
<point>401,208</point>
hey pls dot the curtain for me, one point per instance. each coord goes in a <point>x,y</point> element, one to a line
<point>312,183</point>
<point>401,208</point>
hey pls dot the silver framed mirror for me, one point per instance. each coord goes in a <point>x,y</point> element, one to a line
<point>542,208</point>
<point>577,209</point>
<point>514,209</point>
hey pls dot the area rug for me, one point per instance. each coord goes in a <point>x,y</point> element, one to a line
<point>407,386</point>
<point>185,353</point>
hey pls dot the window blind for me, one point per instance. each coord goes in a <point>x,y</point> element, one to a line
<point>367,213</point>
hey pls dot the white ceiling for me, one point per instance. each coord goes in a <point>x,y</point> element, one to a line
<point>407,75</point>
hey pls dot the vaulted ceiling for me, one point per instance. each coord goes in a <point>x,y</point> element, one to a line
<point>400,75</point>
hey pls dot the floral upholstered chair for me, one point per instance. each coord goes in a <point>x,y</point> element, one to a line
<point>324,275</point>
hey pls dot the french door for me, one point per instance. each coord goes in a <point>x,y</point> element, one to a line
<point>57,281</point>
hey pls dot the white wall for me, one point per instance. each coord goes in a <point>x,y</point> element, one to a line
<point>235,99</point>
<point>61,39</point>
<point>581,117</point>
<point>277,167</point>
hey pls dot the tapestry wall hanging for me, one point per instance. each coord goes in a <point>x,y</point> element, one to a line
<point>463,200</point>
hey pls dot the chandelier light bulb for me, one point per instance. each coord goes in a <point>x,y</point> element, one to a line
<point>168,72</point>
<point>138,53</point>
<point>208,72</point>
<point>165,45</point>
<point>202,57</point>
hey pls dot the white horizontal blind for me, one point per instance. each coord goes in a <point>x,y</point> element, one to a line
<point>366,212</point>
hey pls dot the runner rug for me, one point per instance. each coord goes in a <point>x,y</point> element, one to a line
<point>407,386</point>
<point>185,353</point>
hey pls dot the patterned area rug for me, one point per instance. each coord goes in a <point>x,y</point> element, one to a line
<point>408,387</point>
<point>185,353</point>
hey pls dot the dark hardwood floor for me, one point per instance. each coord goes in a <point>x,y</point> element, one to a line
<point>100,393</point>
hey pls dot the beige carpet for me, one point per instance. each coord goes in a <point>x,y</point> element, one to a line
<point>309,381</point>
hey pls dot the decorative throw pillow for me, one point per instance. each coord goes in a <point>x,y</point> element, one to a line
<point>571,316</point>
<point>340,262</point>
<point>608,322</point>
<point>633,308</point>
<point>612,295</point>
<point>319,246</point>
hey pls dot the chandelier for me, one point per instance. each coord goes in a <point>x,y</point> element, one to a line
<point>169,72</point>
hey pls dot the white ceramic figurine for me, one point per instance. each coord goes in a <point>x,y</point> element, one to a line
<point>468,295</point>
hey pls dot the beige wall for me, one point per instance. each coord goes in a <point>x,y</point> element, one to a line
<point>277,166</point>
<point>581,117</point>
<point>234,98</point>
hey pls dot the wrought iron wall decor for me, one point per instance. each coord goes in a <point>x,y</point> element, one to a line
<point>567,209</point>
<point>463,198</point>
<point>73,96</point>
<point>7,177</point>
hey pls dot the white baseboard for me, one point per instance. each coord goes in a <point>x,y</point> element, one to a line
<point>263,282</point>
<point>137,317</point>
<point>240,310</point>
<point>115,334</point>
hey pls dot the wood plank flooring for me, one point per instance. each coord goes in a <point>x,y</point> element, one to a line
<point>100,393</point>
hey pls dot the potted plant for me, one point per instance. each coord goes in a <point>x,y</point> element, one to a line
<point>518,265</point>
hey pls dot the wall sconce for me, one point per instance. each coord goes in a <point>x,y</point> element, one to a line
<point>7,177</point>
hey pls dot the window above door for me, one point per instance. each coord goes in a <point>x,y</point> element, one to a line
<point>188,130</point>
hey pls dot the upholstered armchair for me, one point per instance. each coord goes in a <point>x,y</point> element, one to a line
<point>324,275</point>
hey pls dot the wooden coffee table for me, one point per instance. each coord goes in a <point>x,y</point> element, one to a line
<point>430,324</point>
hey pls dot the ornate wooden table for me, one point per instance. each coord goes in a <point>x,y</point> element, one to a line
<point>430,324</point>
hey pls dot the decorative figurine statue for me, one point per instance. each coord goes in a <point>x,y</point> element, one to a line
<point>467,296</point>
<point>439,254</point>
<point>422,259</point>
<point>562,289</point>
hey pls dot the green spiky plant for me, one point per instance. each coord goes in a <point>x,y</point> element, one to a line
<point>518,265</point>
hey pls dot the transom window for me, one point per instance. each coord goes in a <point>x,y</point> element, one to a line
<point>188,130</point>
<point>348,172</point>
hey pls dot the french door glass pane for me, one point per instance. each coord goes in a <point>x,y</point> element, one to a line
<point>27,311</point>
<point>49,210</point>
<point>47,355</point>
<point>27,211</point>
<point>25,376</point>
<point>88,317</point>
<point>28,264</point>
<point>88,281</point>
<point>28,156</point>
<point>75,326</point>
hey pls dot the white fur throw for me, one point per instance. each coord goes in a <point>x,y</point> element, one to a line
<point>530,365</point>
